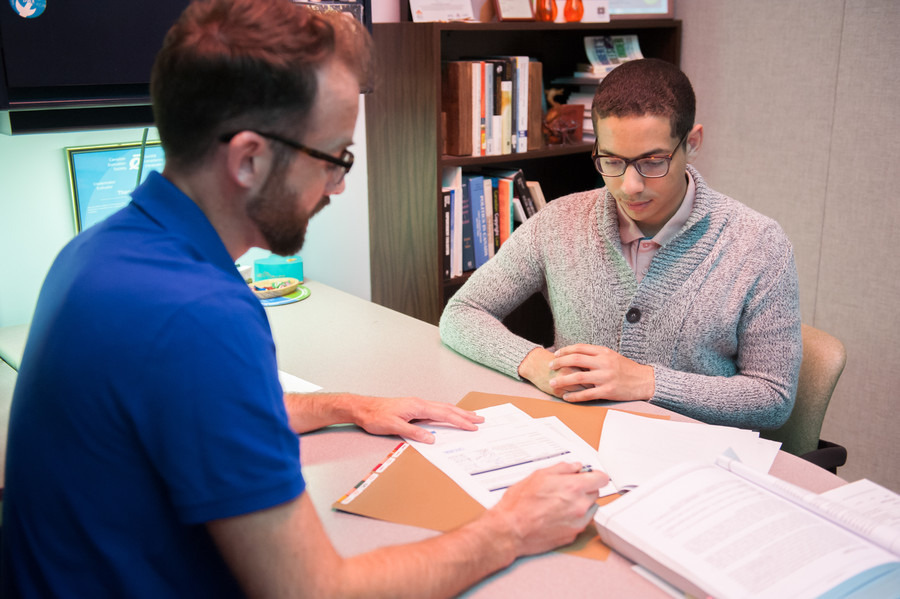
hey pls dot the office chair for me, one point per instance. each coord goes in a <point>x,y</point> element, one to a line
<point>823,362</point>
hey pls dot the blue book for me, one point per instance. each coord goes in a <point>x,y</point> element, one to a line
<point>482,236</point>
<point>468,249</point>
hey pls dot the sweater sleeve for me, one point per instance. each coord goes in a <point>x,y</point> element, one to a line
<point>760,394</point>
<point>472,323</point>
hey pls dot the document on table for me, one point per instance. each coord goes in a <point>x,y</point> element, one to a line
<point>294,384</point>
<point>507,447</point>
<point>633,448</point>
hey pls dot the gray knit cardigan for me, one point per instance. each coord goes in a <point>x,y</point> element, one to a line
<point>719,315</point>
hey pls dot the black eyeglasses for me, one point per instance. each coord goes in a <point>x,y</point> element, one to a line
<point>652,167</point>
<point>341,164</point>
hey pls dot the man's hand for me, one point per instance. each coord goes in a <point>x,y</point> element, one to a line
<point>377,415</point>
<point>603,373</point>
<point>393,416</point>
<point>536,368</point>
<point>550,507</point>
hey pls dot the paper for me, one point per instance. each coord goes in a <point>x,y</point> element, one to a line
<point>294,384</point>
<point>634,448</point>
<point>507,447</point>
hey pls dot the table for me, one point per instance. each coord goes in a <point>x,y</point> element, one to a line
<point>344,343</point>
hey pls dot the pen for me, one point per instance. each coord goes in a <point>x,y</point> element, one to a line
<point>587,468</point>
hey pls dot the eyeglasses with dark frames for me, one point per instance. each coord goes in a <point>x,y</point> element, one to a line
<point>652,167</point>
<point>341,164</point>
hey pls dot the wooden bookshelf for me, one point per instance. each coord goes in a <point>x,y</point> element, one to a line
<point>403,140</point>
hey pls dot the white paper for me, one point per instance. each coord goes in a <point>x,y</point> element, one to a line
<point>294,384</point>
<point>634,448</point>
<point>507,447</point>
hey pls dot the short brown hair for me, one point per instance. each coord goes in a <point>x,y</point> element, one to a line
<point>227,65</point>
<point>647,86</point>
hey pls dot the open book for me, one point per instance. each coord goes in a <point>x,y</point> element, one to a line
<point>726,531</point>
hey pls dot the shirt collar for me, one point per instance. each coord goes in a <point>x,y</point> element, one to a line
<point>180,216</point>
<point>629,231</point>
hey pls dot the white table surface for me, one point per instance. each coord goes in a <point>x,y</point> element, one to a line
<point>343,343</point>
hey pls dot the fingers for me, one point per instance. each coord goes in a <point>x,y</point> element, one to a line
<point>579,348</point>
<point>453,415</point>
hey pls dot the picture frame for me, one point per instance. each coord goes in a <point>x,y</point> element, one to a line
<point>102,177</point>
<point>641,9</point>
<point>514,10</point>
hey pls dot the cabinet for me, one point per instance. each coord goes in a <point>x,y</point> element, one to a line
<point>403,140</point>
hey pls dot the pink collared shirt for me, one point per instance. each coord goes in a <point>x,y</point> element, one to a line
<point>637,249</point>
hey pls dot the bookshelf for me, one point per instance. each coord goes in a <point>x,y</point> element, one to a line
<point>403,138</point>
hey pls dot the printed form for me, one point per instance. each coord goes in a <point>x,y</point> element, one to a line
<point>507,447</point>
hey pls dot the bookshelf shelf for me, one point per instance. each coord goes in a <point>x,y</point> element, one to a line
<point>404,139</point>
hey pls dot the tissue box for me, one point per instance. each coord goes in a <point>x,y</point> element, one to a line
<point>278,266</point>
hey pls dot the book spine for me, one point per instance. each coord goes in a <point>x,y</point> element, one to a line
<point>456,104</point>
<point>475,186</point>
<point>504,185</point>
<point>524,194</point>
<point>535,105</point>
<point>495,213</point>
<point>521,87</point>
<point>468,248</point>
<point>477,101</point>
<point>447,216</point>
<point>488,109</point>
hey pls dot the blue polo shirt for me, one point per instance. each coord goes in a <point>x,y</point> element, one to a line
<point>147,404</point>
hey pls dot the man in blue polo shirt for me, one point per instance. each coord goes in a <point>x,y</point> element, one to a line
<point>151,449</point>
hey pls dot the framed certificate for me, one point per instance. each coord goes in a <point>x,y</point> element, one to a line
<point>642,9</point>
<point>514,10</point>
<point>102,177</point>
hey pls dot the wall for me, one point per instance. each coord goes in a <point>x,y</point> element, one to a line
<point>36,218</point>
<point>799,103</point>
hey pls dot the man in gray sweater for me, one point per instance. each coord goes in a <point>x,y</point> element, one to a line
<point>661,289</point>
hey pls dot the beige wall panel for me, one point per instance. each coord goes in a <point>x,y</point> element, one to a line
<point>859,282</point>
<point>799,100</point>
<point>764,74</point>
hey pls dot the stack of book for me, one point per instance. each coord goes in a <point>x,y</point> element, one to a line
<point>604,53</point>
<point>491,106</point>
<point>480,211</point>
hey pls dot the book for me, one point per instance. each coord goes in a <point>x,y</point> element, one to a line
<point>520,188</point>
<point>518,213</point>
<point>456,104</point>
<point>505,195</point>
<point>473,187</point>
<point>446,219</point>
<point>725,530</point>
<point>495,212</point>
<point>451,179</point>
<point>507,110</point>
<point>498,70</point>
<point>468,239</point>
<point>537,194</point>
<point>488,108</point>
<point>535,105</point>
<point>519,131</point>
<point>521,95</point>
<point>477,100</point>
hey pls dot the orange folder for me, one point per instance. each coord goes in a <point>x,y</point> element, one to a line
<point>408,489</point>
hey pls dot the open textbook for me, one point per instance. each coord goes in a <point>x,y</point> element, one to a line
<point>725,530</point>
